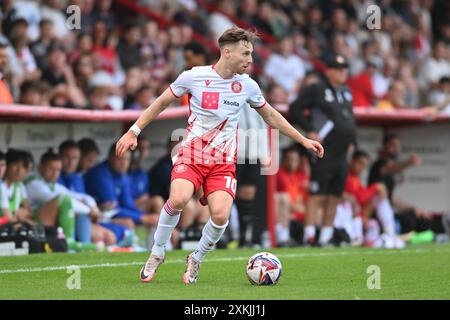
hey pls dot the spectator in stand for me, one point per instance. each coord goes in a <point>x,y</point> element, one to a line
<point>26,58</point>
<point>89,155</point>
<point>435,67</point>
<point>53,10</point>
<point>30,93</point>
<point>406,75</point>
<point>292,186</point>
<point>361,86</point>
<point>218,21</point>
<point>313,28</point>
<point>191,14</point>
<point>395,98</point>
<point>439,98</point>
<point>60,76</point>
<point>104,47</point>
<point>98,98</point>
<point>129,48</point>
<point>144,96</point>
<point>110,186</point>
<point>153,49</point>
<point>277,95</point>
<point>102,11</point>
<point>84,46</point>
<point>285,68</point>
<point>83,69</point>
<point>247,11</point>
<point>5,93</point>
<point>41,46</point>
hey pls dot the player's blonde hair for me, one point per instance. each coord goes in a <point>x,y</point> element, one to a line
<point>236,34</point>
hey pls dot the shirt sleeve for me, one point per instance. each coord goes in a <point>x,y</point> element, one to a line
<point>255,97</point>
<point>282,185</point>
<point>4,204</point>
<point>182,84</point>
<point>125,197</point>
<point>39,192</point>
<point>100,184</point>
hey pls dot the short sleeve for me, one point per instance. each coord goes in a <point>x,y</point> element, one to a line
<point>39,192</point>
<point>255,97</point>
<point>182,84</point>
<point>3,197</point>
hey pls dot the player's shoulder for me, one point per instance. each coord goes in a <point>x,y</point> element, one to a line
<point>247,80</point>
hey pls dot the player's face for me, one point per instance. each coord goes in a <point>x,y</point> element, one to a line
<point>51,170</point>
<point>70,159</point>
<point>121,164</point>
<point>240,56</point>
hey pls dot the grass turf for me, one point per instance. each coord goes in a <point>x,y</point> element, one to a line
<point>417,272</point>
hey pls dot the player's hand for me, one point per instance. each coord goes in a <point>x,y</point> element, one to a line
<point>314,146</point>
<point>127,142</point>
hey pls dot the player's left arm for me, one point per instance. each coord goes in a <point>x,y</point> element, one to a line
<point>274,119</point>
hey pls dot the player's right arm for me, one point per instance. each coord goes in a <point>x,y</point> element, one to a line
<point>129,139</point>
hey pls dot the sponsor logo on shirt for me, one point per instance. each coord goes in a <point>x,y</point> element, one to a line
<point>210,100</point>
<point>231,103</point>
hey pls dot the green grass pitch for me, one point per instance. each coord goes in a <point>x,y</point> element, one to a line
<point>416,272</point>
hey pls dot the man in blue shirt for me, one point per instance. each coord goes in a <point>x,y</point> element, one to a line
<point>140,180</point>
<point>85,229</point>
<point>110,186</point>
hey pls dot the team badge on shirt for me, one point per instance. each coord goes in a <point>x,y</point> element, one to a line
<point>236,86</point>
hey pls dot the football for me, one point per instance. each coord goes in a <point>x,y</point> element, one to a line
<point>264,268</point>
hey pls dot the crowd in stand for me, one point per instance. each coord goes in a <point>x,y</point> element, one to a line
<point>114,62</point>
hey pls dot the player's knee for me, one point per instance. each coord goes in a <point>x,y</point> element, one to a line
<point>220,217</point>
<point>178,201</point>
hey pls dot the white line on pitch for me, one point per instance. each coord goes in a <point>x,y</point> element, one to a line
<point>286,255</point>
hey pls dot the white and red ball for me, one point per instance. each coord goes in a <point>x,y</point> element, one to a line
<point>264,268</point>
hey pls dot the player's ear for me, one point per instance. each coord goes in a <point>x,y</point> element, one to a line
<point>227,51</point>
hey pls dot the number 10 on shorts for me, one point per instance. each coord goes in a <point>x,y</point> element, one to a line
<point>230,183</point>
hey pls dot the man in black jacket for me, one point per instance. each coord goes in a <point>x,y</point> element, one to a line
<point>325,111</point>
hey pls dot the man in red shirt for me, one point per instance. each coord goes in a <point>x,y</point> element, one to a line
<point>5,94</point>
<point>292,190</point>
<point>368,198</point>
